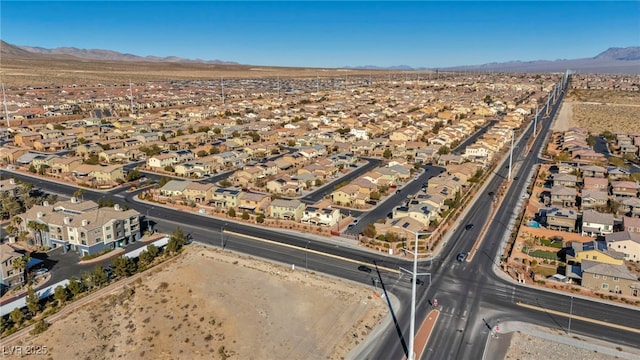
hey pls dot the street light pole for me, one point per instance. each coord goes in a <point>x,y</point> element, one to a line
<point>306,256</point>
<point>414,273</point>
<point>222,235</point>
<point>570,316</point>
<point>147,219</point>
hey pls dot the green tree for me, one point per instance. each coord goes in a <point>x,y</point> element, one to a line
<point>260,218</point>
<point>153,251</point>
<point>214,150</point>
<point>387,154</point>
<point>78,193</point>
<point>217,131</point>
<point>370,231</point>
<point>133,175</point>
<point>33,301</point>
<point>374,195</point>
<point>99,276</point>
<point>144,259</point>
<point>74,286</point>
<point>443,150</point>
<point>245,215</point>
<point>176,241</point>
<point>16,316</point>
<point>124,266</point>
<point>163,181</point>
<point>21,265</point>
<point>169,168</point>
<point>60,294</point>
<point>232,212</point>
<point>202,153</point>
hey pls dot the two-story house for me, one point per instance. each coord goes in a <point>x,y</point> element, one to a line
<point>286,209</point>
<point>596,223</point>
<point>625,242</point>
<point>321,216</point>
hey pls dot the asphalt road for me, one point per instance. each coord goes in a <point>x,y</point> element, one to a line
<point>471,296</point>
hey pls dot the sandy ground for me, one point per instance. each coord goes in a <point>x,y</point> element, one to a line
<point>564,121</point>
<point>527,347</point>
<point>212,305</point>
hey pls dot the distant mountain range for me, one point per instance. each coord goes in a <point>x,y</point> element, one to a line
<point>612,61</point>
<point>31,52</point>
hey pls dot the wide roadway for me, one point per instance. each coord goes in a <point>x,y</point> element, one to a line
<point>470,295</point>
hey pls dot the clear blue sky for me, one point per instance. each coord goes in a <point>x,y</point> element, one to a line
<point>330,34</point>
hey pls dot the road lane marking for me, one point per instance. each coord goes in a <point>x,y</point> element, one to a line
<point>577,317</point>
<point>310,250</point>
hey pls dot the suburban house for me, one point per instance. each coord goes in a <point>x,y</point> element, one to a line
<point>563,196</point>
<point>631,224</point>
<point>624,189</point>
<point>173,188</point>
<point>10,276</point>
<point>254,203</point>
<point>162,160</point>
<point>595,183</point>
<point>595,251</point>
<point>596,223</point>
<point>321,216</point>
<point>286,209</point>
<point>593,171</point>
<point>559,218</point>
<point>9,186</point>
<point>630,206</point>
<point>563,179</point>
<point>627,243</point>
<point>611,278</point>
<point>226,198</point>
<point>198,192</point>
<point>593,199</point>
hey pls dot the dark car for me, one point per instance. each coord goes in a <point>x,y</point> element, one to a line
<point>469,227</point>
<point>419,282</point>
<point>462,256</point>
<point>515,178</point>
<point>364,268</point>
<point>491,193</point>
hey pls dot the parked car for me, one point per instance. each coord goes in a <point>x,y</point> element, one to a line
<point>41,272</point>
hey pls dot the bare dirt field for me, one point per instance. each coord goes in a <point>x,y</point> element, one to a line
<point>31,72</point>
<point>212,305</point>
<point>600,110</point>
<point>527,347</point>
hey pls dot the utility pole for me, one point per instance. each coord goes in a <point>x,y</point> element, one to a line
<point>535,122</point>
<point>6,111</point>
<point>570,316</point>
<point>222,88</point>
<point>131,93</point>
<point>511,155</point>
<point>412,325</point>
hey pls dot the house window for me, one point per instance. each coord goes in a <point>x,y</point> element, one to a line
<point>615,278</point>
<point>604,277</point>
<point>605,286</point>
<point>596,276</point>
<point>108,236</point>
<point>595,257</point>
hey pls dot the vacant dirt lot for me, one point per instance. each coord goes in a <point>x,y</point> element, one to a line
<point>526,347</point>
<point>212,305</point>
<point>600,110</point>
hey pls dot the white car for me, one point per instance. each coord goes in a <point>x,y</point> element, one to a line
<point>42,271</point>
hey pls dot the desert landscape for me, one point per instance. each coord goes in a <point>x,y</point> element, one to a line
<point>232,306</point>
<point>600,110</point>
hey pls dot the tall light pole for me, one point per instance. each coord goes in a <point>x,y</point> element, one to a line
<point>570,316</point>
<point>414,273</point>
<point>511,155</point>
<point>222,235</point>
<point>147,218</point>
<point>306,256</point>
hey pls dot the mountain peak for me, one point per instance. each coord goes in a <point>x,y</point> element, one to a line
<point>616,53</point>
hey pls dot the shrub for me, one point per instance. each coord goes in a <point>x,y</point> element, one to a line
<point>40,327</point>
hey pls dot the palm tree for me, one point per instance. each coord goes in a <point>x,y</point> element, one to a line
<point>21,264</point>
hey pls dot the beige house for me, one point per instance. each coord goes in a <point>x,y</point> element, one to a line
<point>254,203</point>
<point>625,242</point>
<point>9,275</point>
<point>286,209</point>
<point>198,192</point>
<point>226,198</point>
<point>609,278</point>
